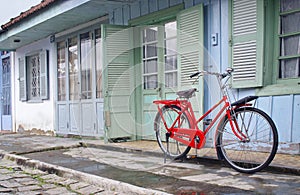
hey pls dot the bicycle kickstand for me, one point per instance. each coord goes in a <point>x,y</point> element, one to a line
<point>166,153</point>
<point>197,141</point>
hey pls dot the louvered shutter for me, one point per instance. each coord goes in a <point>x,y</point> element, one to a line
<point>247,43</point>
<point>22,79</point>
<point>191,53</point>
<point>44,74</point>
<point>190,43</point>
<point>118,81</point>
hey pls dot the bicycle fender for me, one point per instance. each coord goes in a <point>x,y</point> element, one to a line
<point>244,100</point>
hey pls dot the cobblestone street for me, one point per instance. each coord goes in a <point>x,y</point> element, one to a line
<point>15,179</point>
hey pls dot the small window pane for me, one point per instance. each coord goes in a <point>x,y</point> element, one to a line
<point>288,5</point>
<point>289,68</point>
<point>290,23</point>
<point>170,29</point>
<point>290,46</point>
<point>171,79</point>
<point>150,82</point>
<point>171,46</point>
<point>170,63</point>
<point>150,66</point>
<point>150,34</point>
<point>151,51</point>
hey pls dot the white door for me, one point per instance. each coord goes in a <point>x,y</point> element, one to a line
<point>6,122</point>
<point>79,74</point>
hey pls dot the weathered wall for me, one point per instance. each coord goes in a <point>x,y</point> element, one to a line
<point>34,116</point>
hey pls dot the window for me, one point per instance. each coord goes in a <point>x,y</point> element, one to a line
<point>61,71</point>
<point>98,44</point>
<point>150,58</point>
<point>265,46</point>
<point>86,65</point>
<point>33,76</point>
<point>289,65</point>
<point>79,66</point>
<point>152,53</point>
<point>73,68</point>
<point>170,54</point>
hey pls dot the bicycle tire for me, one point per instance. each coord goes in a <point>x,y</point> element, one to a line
<point>174,149</point>
<point>258,151</point>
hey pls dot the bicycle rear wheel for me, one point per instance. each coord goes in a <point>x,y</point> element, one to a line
<point>258,149</point>
<point>172,147</point>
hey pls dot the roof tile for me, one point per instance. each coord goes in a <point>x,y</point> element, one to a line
<point>32,10</point>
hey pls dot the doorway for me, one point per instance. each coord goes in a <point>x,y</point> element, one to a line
<point>79,85</point>
<point>159,69</point>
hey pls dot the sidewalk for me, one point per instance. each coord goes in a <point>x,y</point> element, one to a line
<point>282,162</point>
<point>13,146</point>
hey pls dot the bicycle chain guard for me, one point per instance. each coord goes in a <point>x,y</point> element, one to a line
<point>188,136</point>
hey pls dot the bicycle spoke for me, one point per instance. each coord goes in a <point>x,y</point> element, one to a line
<point>256,152</point>
<point>172,147</point>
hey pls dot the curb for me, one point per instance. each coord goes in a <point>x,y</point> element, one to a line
<point>105,183</point>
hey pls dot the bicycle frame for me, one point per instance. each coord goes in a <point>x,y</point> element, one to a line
<point>194,137</point>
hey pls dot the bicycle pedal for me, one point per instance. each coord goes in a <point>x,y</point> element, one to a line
<point>192,156</point>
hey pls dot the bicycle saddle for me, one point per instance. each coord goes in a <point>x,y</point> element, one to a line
<point>186,93</point>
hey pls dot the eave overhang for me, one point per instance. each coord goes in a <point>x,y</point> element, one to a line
<point>58,17</point>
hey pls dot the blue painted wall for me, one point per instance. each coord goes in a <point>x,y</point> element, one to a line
<point>284,110</point>
<point>123,14</point>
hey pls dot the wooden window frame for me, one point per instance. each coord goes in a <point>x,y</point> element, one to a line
<point>273,85</point>
<point>268,52</point>
<point>25,77</point>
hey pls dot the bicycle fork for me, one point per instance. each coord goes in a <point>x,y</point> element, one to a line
<point>235,126</point>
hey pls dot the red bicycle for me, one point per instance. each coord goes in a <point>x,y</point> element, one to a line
<point>246,137</point>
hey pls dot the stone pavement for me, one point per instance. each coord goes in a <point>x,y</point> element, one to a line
<point>16,179</point>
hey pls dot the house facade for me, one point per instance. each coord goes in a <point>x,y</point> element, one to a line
<point>93,68</point>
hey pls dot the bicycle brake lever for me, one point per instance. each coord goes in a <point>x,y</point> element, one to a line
<point>195,74</point>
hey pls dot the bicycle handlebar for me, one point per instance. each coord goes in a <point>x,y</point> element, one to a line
<point>223,75</point>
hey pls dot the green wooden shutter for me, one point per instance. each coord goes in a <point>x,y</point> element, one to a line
<point>118,81</point>
<point>44,74</point>
<point>22,79</point>
<point>247,43</point>
<point>190,43</point>
<point>191,51</point>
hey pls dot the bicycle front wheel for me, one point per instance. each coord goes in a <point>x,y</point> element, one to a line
<point>169,146</point>
<point>257,149</point>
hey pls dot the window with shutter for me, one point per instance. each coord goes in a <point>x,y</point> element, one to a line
<point>33,76</point>
<point>277,46</point>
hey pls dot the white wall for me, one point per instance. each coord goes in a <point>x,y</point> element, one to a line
<point>38,115</point>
